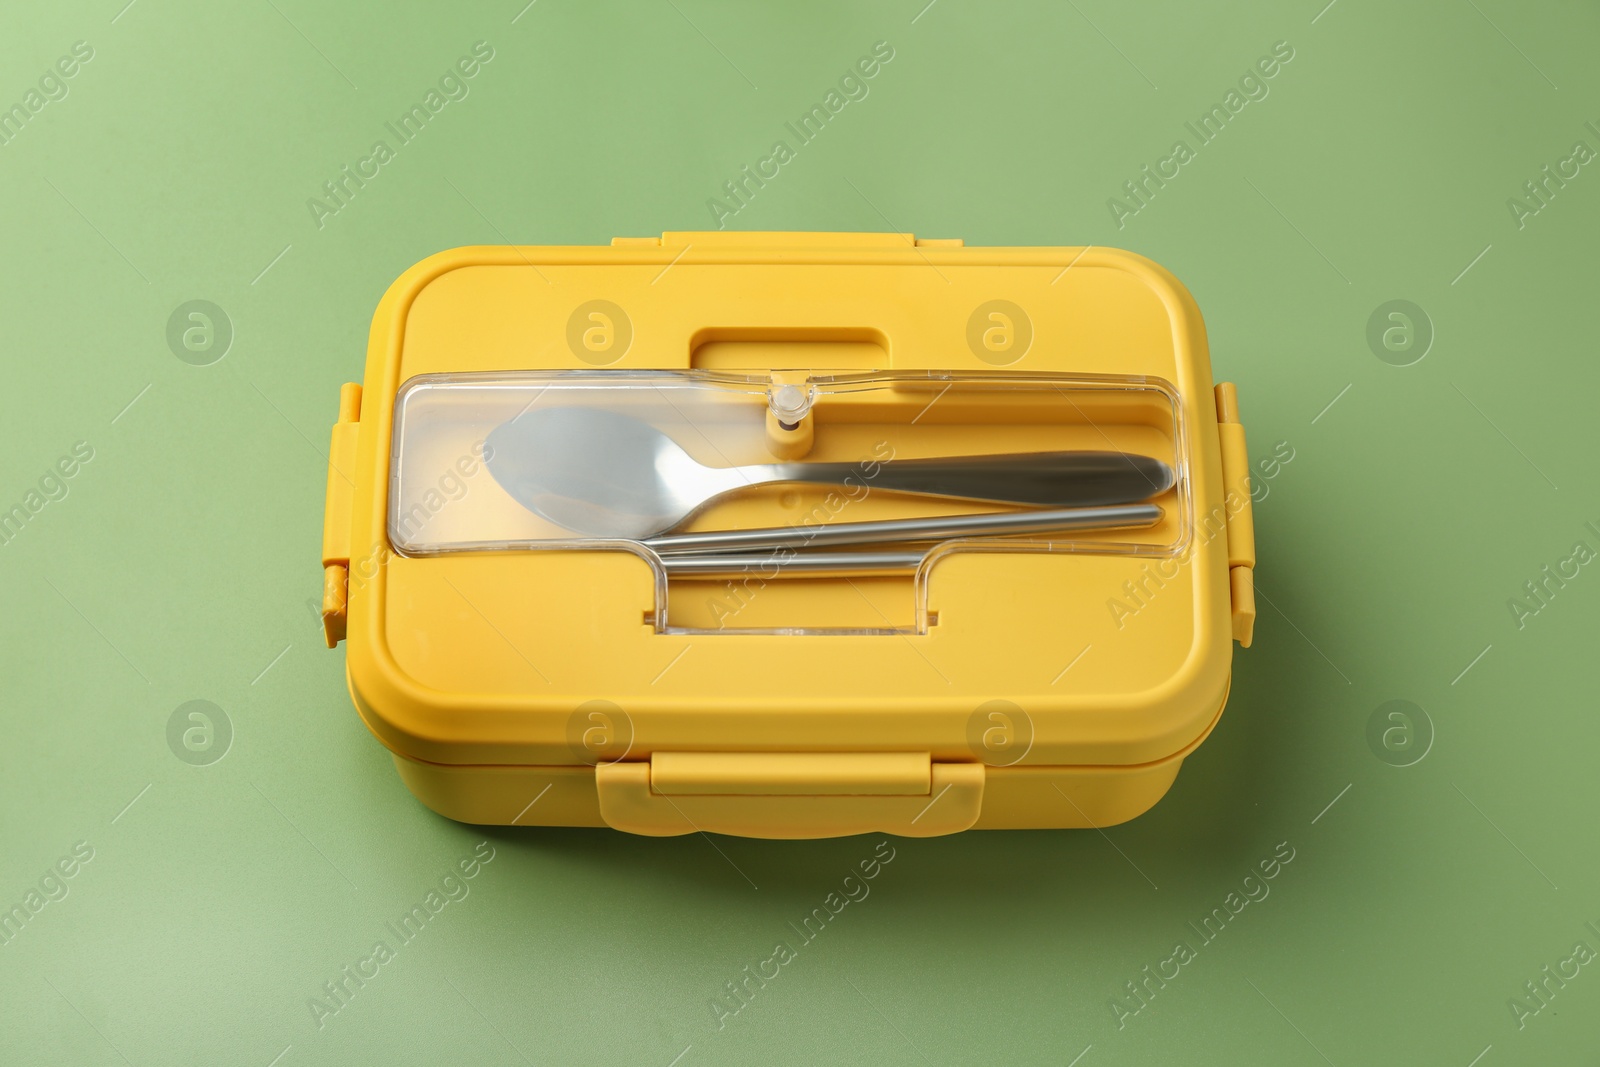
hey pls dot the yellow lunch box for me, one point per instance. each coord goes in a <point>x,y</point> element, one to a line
<point>788,534</point>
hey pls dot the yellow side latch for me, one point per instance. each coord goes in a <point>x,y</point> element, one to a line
<point>337,505</point>
<point>1241,518</point>
<point>790,794</point>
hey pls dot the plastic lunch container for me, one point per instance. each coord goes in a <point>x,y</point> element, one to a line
<point>535,639</point>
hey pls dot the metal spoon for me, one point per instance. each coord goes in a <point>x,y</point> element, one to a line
<point>598,473</point>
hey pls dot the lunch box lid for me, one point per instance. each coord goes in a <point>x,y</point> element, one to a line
<point>1114,653</point>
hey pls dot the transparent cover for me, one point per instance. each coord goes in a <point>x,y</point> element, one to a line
<point>708,474</point>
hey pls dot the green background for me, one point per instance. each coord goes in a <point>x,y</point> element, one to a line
<point>182,563</point>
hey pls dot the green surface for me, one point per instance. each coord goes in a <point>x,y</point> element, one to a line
<point>182,559</point>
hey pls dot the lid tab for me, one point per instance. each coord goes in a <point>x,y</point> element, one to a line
<point>948,803</point>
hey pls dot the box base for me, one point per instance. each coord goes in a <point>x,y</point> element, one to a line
<point>1014,798</point>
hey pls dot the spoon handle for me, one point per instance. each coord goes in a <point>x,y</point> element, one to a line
<point>1051,479</point>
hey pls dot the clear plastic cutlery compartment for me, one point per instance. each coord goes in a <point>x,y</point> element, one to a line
<point>572,459</point>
